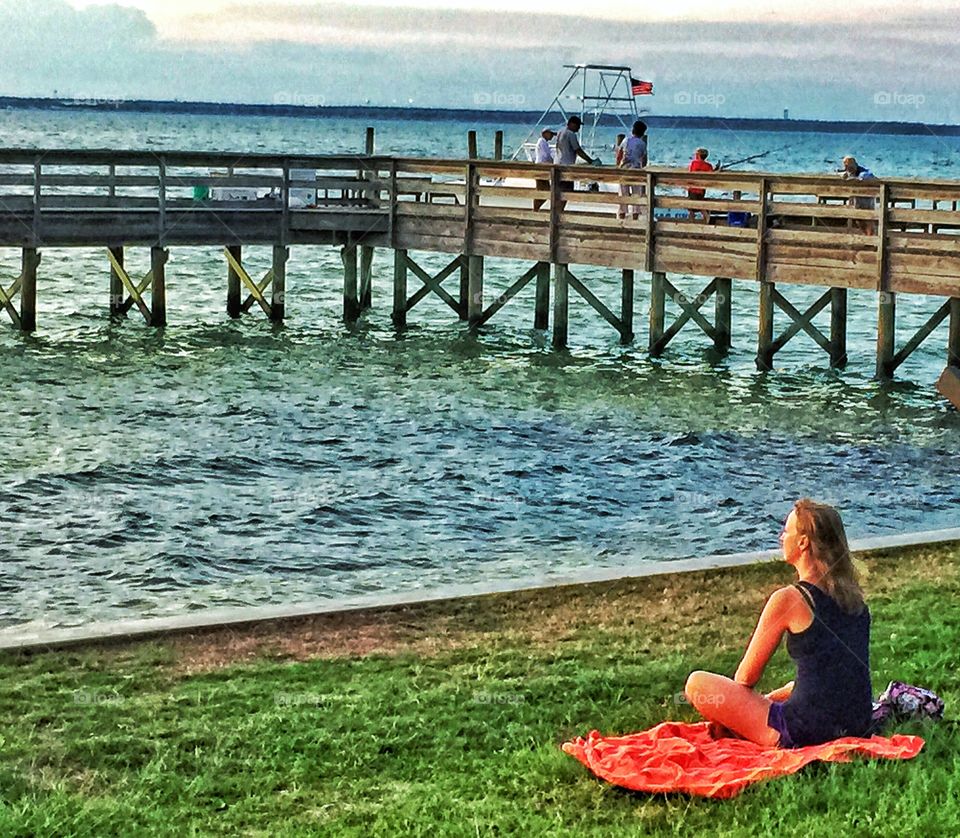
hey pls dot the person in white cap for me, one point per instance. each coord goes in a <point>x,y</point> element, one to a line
<point>544,154</point>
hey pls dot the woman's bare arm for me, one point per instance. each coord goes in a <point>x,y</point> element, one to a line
<point>781,694</point>
<point>766,637</point>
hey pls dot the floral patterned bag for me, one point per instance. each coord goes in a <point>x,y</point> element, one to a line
<point>901,702</point>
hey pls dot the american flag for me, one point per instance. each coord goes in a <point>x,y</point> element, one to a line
<point>640,88</point>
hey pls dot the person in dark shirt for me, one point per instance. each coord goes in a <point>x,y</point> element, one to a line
<point>827,624</point>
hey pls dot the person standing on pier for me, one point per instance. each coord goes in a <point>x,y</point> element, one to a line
<point>632,154</point>
<point>543,154</point>
<point>700,164</point>
<point>568,150</point>
<point>618,154</point>
<point>852,170</point>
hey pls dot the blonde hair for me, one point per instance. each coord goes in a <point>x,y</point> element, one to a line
<point>828,547</point>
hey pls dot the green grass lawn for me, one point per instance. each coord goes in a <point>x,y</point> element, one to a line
<point>446,719</point>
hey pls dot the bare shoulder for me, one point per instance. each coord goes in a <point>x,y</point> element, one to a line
<point>785,600</point>
<point>790,608</point>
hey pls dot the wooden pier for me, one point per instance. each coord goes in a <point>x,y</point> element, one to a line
<point>891,236</point>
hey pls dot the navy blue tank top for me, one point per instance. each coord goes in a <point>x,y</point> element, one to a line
<point>832,696</point>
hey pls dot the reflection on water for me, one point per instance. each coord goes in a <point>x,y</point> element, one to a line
<point>224,462</point>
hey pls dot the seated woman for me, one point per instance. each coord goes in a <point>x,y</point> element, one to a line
<point>827,625</point>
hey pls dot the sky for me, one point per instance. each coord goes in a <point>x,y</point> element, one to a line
<point>877,60</point>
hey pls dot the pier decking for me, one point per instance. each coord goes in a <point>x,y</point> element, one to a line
<point>891,236</point>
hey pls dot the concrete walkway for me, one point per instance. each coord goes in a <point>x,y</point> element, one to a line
<point>16,638</point>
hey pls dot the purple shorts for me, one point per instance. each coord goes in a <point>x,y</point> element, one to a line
<point>776,720</point>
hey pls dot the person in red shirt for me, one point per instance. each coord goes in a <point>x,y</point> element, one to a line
<point>700,164</point>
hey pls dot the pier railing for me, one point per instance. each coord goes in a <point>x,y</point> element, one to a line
<point>895,235</point>
<point>891,234</point>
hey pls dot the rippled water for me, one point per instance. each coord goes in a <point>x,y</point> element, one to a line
<point>226,463</point>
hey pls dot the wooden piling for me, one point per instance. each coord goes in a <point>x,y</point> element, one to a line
<point>464,286</point>
<point>561,305</point>
<point>279,286</point>
<point>948,385</point>
<point>474,288</point>
<point>351,299</point>
<point>158,286</point>
<point>472,145</point>
<point>366,252</point>
<point>116,284</point>
<point>233,281</point>
<point>626,306</point>
<point>366,277</point>
<point>498,145</point>
<point>953,335</point>
<point>541,315</point>
<point>30,261</point>
<point>838,328</point>
<point>886,334</point>
<point>765,350</point>
<point>657,309</point>
<point>723,314</point>
<point>399,315</point>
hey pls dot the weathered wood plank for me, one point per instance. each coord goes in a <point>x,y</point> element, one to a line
<point>948,385</point>
<point>518,233</point>
<point>824,257</point>
<point>431,212</point>
<point>811,275</point>
<point>819,237</point>
<point>922,243</point>
<point>579,255</point>
<point>711,204</point>
<point>922,216</point>
<point>820,211</point>
<point>510,250</point>
<point>695,231</point>
<point>525,193</point>
<point>439,244</point>
<point>925,265</point>
<point>713,247</point>
<point>919,284</point>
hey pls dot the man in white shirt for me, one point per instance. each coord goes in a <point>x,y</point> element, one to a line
<point>568,150</point>
<point>568,144</point>
<point>632,154</point>
<point>544,154</point>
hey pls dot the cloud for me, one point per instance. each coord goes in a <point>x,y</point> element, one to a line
<point>341,54</point>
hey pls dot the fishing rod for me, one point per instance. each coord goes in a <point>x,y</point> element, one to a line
<point>751,158</point>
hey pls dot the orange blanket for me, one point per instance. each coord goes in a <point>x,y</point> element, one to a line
<point>675,756</point>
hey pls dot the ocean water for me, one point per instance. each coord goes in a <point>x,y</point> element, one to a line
<point>221,462</point>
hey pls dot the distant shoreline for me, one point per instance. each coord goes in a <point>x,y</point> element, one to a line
<point>478,115</point>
